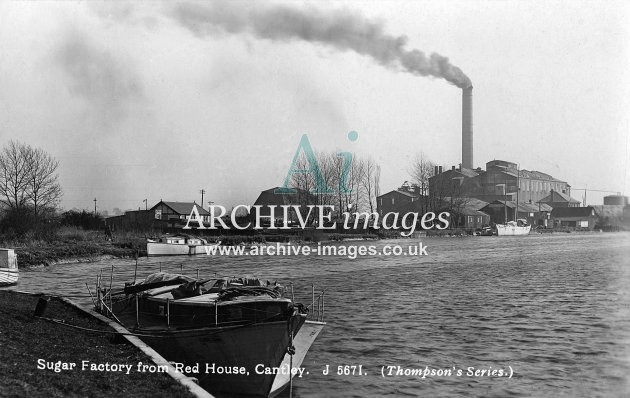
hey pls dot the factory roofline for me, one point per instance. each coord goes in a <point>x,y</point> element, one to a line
<point>524,207</point>
<point>508,168</point>
<point>468,172</point>
<point>463,171</point>
<point>533,174</point>
<point>555,197</point>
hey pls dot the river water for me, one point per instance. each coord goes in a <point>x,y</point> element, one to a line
<point>552,312</point>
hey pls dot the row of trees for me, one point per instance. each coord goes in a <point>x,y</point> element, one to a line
<point>29,185</point>
<point>353,184</point>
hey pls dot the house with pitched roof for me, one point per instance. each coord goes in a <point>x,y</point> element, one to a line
<point>396,202</point>
<point>558,199</point>
<point>471,219</point>
<point>178,212</point>
<point>271,200</point>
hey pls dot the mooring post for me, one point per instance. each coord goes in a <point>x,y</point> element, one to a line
<point>98,295</point>
<point>137,312</point>
<point>91,297</point>
<point>322,306</point>
<point>111,281</point>
<point>168,313</point>
<point>291,352</point>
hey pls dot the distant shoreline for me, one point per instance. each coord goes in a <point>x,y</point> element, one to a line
<point>96,247</point>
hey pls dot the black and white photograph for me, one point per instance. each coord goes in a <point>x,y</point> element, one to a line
<point>296,199</point>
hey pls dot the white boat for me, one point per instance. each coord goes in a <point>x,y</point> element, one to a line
<point>178,246</point>
<point>232,332</point>
<point>8,267</point>
<point>513,228</point>
<point>302,342</point>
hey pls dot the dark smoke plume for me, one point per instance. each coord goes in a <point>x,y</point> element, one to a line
<point>341,29</point>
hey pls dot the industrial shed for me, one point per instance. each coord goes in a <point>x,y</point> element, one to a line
<point>583,218</point>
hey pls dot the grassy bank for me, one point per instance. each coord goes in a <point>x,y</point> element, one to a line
<point>75,244</point>
<point>71,243</point>
<point>25,339</point>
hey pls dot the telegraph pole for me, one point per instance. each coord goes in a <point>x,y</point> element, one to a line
<point>94,206</point>
<point>145,205</point>
<point>202,192</point>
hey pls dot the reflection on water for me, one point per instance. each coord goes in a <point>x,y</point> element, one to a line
<point>554,308</point>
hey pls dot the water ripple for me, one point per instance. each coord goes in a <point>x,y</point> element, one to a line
<point>554,308</point>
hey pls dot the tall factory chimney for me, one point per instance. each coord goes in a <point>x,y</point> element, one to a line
<point>467,128</point>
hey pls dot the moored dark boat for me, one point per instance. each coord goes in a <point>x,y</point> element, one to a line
<point>235,337</point>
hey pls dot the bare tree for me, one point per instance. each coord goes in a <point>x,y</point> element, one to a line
<point>370,181</point>
<point>421,169</point>
<point>358,175</point>
<point>14,176</point>
<point>28,178</point>
<point>42,189</point>
<point>377,182</point>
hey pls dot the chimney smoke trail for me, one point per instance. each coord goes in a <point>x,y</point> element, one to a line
<point>341,29</point>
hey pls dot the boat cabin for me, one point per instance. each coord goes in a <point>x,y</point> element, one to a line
<point>179,302</point>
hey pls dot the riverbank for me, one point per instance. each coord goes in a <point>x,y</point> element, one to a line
<point>28,343</point>
<point>74,245</point>
<point>48,253</point>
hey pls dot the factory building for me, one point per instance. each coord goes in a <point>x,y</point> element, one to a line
<point>500,181</point>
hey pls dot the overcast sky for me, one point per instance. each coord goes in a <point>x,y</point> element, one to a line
<point>160,100</point>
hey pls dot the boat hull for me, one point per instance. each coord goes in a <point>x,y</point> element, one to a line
<point>302,343</point>
<point>8,276</point>
<point>174,249</point>
<point>219,356</point>
<point>509,230</point>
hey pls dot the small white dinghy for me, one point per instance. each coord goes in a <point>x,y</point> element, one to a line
<point>8,267</point>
